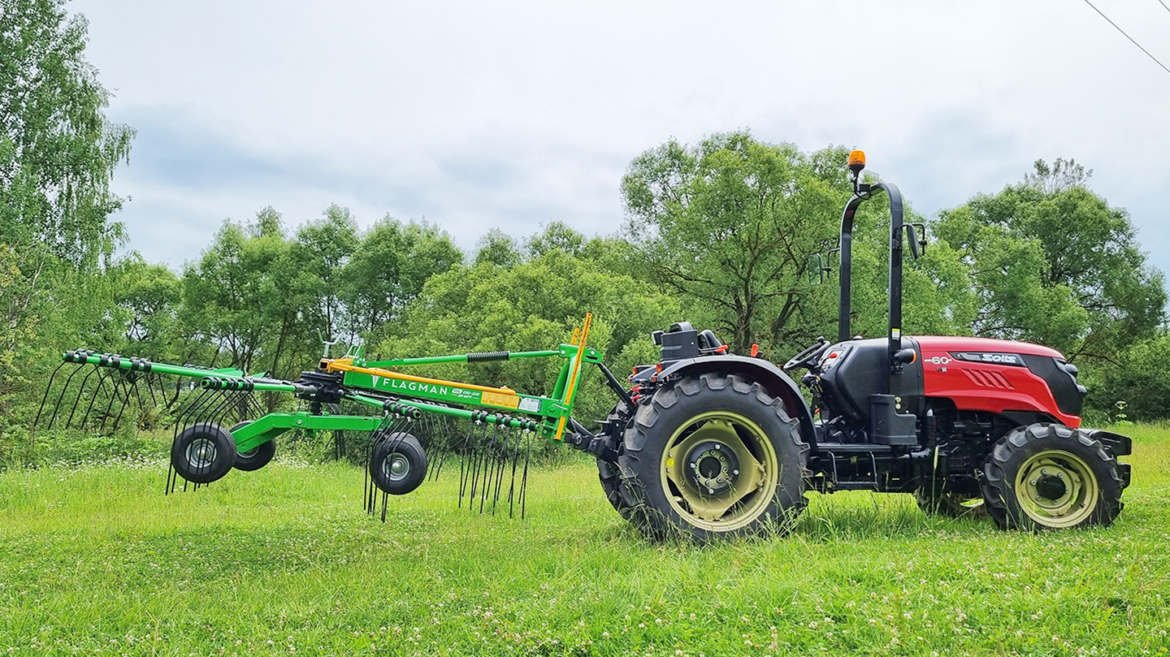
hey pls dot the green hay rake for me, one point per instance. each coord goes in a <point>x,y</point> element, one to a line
<point>221,425</point>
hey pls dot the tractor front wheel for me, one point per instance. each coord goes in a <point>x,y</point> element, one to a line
<point>1049,476</point>
<point>713,456</point>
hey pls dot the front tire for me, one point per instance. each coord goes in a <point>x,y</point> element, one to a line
<point>1049,476</point>
<point>713,456</point>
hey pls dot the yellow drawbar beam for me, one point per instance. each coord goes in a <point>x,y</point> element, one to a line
<point>346,365</point>
<point>572,385</point>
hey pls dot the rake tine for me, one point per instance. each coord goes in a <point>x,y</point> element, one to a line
<point>496,467</point>
<point>463,477</point>
<point>113,397</point>
<point>77,400</point>
<point>61,397</point>
<point>141,405</point>
<point>126,388</point>
<point>515,461</point>
<point>488,463</point>
<point>153,401</point>
<point>503,461</point>
<point>48,387</point>
<point>371,441</point>
<point>101,385</point>
<point>524,481</point>
<point>477,465</point>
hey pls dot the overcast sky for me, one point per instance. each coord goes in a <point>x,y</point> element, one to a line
<point>513,114</point>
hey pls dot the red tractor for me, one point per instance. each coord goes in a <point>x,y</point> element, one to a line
<point>713,444</point>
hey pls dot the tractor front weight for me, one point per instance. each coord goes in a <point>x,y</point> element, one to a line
<point>218,424</point>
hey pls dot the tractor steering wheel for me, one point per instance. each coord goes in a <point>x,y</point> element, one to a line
<point>809,357</point>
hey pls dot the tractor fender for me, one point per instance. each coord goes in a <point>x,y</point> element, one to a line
<point>774,380</point>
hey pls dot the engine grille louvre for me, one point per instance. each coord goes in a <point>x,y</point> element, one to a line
<point>989,379</point>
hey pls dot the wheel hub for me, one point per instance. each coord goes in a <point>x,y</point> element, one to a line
<point>712,467</point>
<point>395,467</point>
<point>1051,487</point>
<point>1056,488</point>
<point>201,453</point>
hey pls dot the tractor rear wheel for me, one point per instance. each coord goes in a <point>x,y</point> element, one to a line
<point>609,474</point>
<point>1049,476</point>
<point>713,456</point>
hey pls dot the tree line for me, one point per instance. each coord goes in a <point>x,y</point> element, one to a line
<point>719,233</point>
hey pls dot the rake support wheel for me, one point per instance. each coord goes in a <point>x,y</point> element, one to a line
<point>255,458</point>
<point>713,456</point>
<point>203,453</point>
<point>1049,476</point>
<point>398,464</point>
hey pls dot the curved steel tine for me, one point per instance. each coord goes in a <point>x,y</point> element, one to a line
<point>80,391</point>
<point>48,387</point>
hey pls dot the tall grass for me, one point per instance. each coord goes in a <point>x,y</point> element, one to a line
<point>94,559</point>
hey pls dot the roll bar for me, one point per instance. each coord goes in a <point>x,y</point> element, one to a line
<point>862,193</point>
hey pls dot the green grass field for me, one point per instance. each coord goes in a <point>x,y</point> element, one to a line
<point>95,560</point>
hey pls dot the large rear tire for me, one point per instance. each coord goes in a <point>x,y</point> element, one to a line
<point>713,456</point>
<point>1049,476</point>
<point>609,474</point>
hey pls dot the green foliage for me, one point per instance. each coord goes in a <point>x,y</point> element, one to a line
<point>57,155</point>
<point>1055,264</point>
<point>1139,381</point>
<point>730,224</point>
<point>532,305</point>
<point>389,269</point>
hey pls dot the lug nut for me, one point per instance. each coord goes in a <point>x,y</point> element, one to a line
<point>1032,483</point>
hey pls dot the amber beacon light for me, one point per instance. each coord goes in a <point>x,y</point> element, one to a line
<point>856,161</point>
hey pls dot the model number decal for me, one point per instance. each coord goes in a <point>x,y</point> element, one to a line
<point>938,360</point>
<point>986,357</point>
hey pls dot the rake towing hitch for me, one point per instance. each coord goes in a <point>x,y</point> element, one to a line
<point>585,441</point>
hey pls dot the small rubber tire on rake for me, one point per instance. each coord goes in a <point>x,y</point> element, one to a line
<point>1049,476</point>
<point>255,458</point>
<point>398,464</point>
<point>203,453</point>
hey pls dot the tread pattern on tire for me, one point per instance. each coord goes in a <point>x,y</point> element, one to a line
<point>999,469</point>
<point>632,491</point>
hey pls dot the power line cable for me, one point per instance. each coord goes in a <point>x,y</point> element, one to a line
<point>1164,5</point>
<point>1129,37</point>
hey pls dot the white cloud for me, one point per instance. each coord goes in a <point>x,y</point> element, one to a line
<point>510,114</point>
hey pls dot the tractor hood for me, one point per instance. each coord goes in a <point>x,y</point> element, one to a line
<point>947,343</point>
